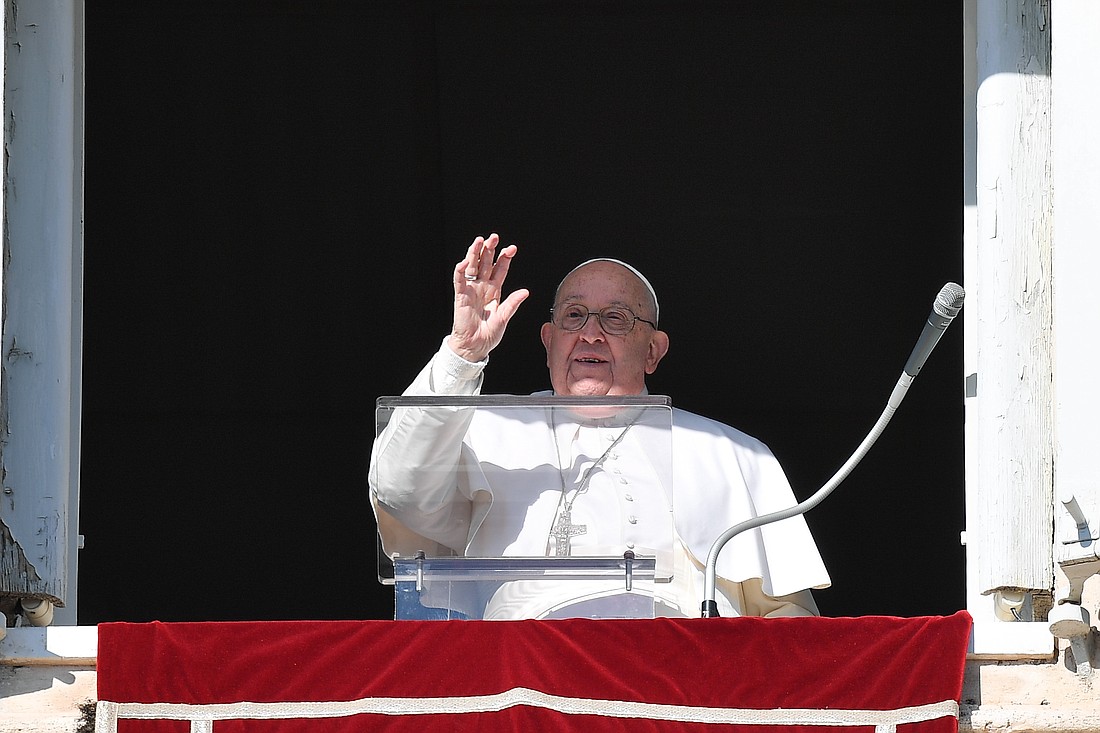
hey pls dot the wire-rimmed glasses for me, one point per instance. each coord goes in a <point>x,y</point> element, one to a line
<point>614,320</point>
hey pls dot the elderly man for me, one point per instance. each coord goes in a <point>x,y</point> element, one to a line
<point>602,339</point>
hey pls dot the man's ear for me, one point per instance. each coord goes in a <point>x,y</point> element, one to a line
<point>658,347</point>
<point>546,334</point>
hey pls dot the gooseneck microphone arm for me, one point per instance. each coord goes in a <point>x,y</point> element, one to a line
<point>947,306</point>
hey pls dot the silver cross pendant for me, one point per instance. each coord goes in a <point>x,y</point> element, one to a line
<point>564,530</point>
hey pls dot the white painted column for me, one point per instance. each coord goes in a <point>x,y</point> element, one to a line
<point>1010,517</point>
<point>42,252</point>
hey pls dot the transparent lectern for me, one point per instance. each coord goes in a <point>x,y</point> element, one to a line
<point>506,507</point>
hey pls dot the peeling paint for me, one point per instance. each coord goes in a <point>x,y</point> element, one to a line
<point>1012,519</point>
<point>39,379</point>
<point>14,352</point>
<point>22,579</point>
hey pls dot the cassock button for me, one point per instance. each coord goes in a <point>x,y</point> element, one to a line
<point>628,497</point>
<point>632,519</point>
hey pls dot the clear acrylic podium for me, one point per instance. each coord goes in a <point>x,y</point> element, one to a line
<point>571,499</point>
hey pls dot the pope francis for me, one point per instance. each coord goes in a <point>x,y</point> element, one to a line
<point>522,487</point>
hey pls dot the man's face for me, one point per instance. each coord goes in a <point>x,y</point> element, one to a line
<point>590,361</point>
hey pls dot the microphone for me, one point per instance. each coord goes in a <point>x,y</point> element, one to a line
<point>947,306</point>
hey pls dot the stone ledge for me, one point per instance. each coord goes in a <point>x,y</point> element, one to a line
<point>1027,719</point>
<point>1011,641</point>
<point>69,646</point>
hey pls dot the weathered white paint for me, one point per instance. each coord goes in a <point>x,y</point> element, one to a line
<point>40,356</point>
<point>1011,518</point>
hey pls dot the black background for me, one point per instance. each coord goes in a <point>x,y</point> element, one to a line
<point>276,193</point>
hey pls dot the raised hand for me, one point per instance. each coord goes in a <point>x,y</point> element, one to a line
<point>480,316</point>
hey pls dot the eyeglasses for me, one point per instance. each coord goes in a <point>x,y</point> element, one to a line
<point>614,321</point>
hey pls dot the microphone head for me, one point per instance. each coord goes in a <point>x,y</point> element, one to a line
<point>950,301</point>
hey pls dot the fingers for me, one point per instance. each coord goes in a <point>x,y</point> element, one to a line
<point>509,305</point>
<point>479,261</point>
<point>504,263</point>
<point>481,313</point>
<point>478,264</point>
<point>466,269</point>
<point>473,258</point>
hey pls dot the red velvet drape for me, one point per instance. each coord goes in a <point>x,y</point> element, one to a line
<point>869,663</point>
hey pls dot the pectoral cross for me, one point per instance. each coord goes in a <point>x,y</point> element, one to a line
<point>563,530</point>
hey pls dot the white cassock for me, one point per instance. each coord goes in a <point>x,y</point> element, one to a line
<point>513,472</point>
